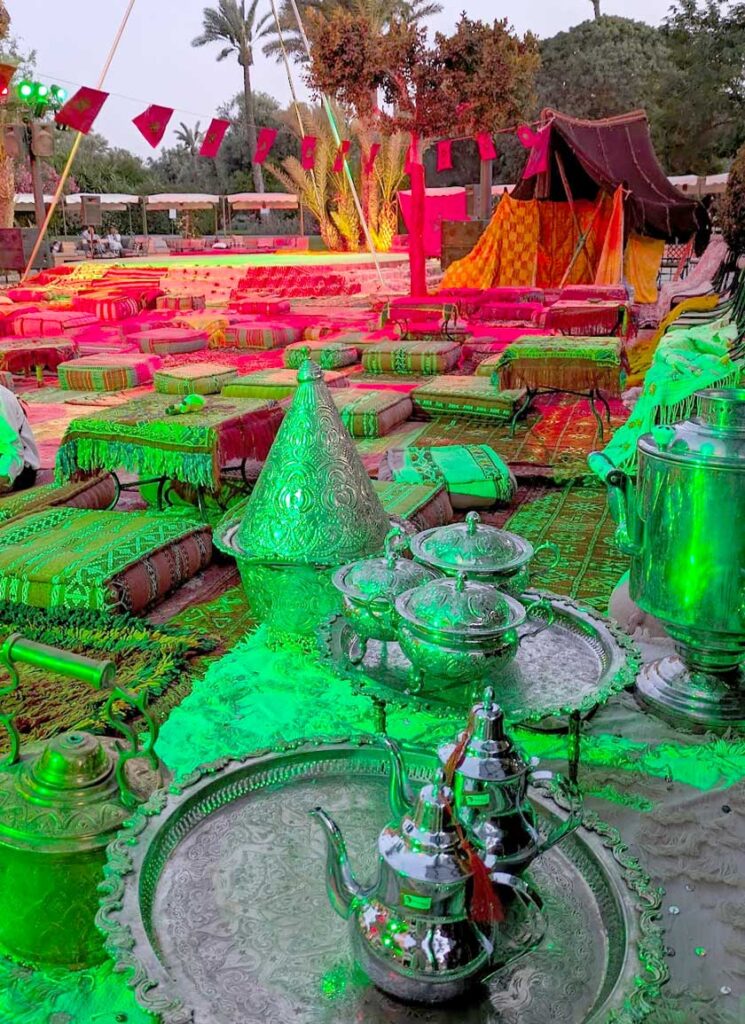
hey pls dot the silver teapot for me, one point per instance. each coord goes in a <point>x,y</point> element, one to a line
<point>490,779</point>
<point>414,930</point>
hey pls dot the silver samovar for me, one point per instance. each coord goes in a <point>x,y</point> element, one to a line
<point>683,527</point>
<point>416,931</point>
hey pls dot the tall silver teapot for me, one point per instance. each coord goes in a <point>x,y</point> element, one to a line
<point>414,930</point>
<point>682,526</point>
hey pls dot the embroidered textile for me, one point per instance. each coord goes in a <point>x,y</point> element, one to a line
<point>425,357</point>
<point>371,413</point>
<point>473,474</point>
<point>466,396</point>
<point>194,379</point>
<point>275,384</point>
<point>328,354</point>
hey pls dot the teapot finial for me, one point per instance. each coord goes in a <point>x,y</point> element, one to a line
<point>473,520</point>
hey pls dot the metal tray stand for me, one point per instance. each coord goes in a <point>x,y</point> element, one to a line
<point>215,905</point>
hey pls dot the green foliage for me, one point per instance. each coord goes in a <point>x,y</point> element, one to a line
<point>702,95</point>
<point>732,206</point>
<point>603,67</point>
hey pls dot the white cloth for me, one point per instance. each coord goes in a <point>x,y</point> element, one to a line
<point>19,447</point>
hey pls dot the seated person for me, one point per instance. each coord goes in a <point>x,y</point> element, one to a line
<point>19,456</point>
<point>91,241</point>
<point>113,242</point>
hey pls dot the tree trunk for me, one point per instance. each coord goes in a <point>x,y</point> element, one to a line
<point>596,8</point>
<point>7,191</point>
<point>258,175</point>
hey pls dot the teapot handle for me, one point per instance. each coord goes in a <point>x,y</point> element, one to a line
<point>99,674</point>
<point>555,551</point>
<point>541,607</point>
<point>507,952</point>
<point>569,795</point>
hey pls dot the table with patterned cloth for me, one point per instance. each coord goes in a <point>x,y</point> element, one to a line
<point>118,561</point>
<point>107,372</point>
<point>590,367</point>
<point>19,355</point>
<point>588,317</point>
<point>141,437</point>
<point>466,396</point>
<point>194,379</point>
<point>425,357</point>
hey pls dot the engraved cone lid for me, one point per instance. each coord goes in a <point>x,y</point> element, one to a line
<point>313,502</point>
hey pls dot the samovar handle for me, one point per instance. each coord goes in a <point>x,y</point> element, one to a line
<point>535,925</point>
<point>569,795</point>
<point>99,674</point>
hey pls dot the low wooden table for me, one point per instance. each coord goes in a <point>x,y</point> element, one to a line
<point>190,448</point>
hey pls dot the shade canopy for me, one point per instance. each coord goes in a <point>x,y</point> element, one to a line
<point>181,201</point>
<point>112,201</point>
<point>263,201</point>
<point>593,156</point>
<point>24,202</point>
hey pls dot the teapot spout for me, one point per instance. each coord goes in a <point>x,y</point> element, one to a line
<point>400,794</point>
<point>344,891</point>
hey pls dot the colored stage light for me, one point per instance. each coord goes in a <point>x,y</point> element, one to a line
<point>59,94</point>
<point>42,91</point>
<point>25,90</point>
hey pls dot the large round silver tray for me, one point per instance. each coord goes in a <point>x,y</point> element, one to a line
<point>575,664</point>
<point>215,905</point>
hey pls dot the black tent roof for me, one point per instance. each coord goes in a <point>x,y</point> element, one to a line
<point>611,152</point>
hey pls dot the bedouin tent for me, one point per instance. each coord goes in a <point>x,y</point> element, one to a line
<point>599,210</point>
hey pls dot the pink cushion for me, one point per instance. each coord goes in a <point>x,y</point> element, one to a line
<point>50,323</point>
<point>172,339</point>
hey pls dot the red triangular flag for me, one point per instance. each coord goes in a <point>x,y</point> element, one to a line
<point>82,109</point>
<point>444,155</point>
<point>372,156</point>
<point>264,144</point>
<point>213,137</point>
<point>7,70</point>
<point>340,154</point>
<point>487,149</point>
<point>308,152</point>
<point>526,135</point>
<point>153,122</point>
<point>538,159</point>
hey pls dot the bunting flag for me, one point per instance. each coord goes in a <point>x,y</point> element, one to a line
<point>308,152</point>
<point>82,109</point>
<point>537,143</point>
<point>487,149</point>
<point>264,144</point>
<point>152,123</point>
<point>444,155</point>
<point>7,70</point>
<point>340,155</point>
<point>372,156</point>
<point>213,137</point>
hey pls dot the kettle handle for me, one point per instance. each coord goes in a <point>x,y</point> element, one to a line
<point>535,926</point>
<point>569,795</point>
<point>18,650</point>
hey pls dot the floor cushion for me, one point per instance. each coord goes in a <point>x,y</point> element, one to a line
<point>466,396</point>
<point>274,384</point>
<point>474,475</point>
<point>49,323</point>
<point>251,334</point>
<point>107,308</point>
<point>180,302</point>
<point>194,379</point>
<point>422,505</point>
<point>328,354</point>
<point>118,561</point>
<point>106,372</point>
<point>258,307</point>
<point>569,363</point>
<point>372,413</point>
<point>509,311</point>
<point>425,357</point>
<point>165,340</point>
<point>96,492</point>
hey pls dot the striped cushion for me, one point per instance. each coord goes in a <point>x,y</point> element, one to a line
<point>404,357</point>
<point>165,340</point>
<point>328,354</point>
<point>466,396</point>
<point>105,372</point>
<point>274,384</point>
<point>114,308</point>
<point>195,379</point>
<point>258,335</point>
<point>49,323</point>
<point>372,413</point>
<point>185,301</point>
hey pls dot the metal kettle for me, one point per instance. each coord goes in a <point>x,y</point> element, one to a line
<point>414,930</point>
<point>490,779</point>
<point>61,803</point>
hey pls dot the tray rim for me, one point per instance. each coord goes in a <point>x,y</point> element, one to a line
<point>626,661</point>
<point>639,900</point>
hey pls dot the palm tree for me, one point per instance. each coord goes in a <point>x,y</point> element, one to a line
<point>378,13</point>
<point>235,26</point>
<point>190,138</point>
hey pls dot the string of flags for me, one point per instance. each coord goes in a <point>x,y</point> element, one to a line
<point>82,109</point>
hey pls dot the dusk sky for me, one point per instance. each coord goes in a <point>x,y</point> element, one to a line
<point>156,63</point>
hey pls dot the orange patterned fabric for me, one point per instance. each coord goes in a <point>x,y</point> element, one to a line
<point>642,265</point>
<point>532,243</point>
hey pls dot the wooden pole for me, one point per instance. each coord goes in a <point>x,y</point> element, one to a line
<point>582,243</point>
<point>485,189</point>
<point>75,146</point>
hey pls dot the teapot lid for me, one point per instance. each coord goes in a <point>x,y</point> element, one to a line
<point>471,545</point>
<point>388,576</point>
<point>490,753</point>
<point>460,606</point>
<point>62,795</point>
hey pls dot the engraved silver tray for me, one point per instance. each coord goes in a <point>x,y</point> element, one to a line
<point>575,664</point>
<point>215,905</point>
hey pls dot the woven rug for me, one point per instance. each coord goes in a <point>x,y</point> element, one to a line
<point>554,441</point>
<point>148,658</point>
<point>578,520</point>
